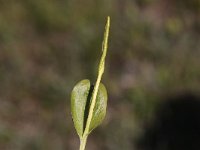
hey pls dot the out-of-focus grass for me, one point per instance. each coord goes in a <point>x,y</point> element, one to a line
<point>46,46</point>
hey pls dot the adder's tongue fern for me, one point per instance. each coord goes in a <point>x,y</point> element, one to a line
<point>88,104</point>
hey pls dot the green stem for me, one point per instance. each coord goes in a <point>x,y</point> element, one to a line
<point>83,141</point>
<point>100,73</point>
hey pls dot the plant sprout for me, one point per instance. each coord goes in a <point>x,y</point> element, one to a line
<point>88,102</point>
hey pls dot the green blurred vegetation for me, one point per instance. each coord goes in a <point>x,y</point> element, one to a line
<point>47,46</point>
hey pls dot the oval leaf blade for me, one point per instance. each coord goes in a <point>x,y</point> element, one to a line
<point>79,99</point>
<point>100,107</point>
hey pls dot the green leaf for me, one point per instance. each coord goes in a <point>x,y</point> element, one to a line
<point>80,106</point>
<point>79,98</point>
<point>100,108</point>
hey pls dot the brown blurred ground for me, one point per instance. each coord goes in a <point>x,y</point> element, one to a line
<point>47,46</point>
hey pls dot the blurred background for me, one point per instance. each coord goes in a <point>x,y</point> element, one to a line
<point>47,46</point>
